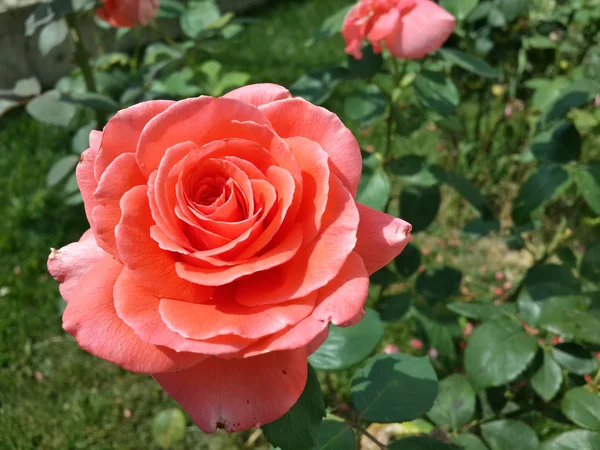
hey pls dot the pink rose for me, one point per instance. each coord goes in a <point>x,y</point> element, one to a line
<point>128,13</point>
<point>224,239</point>
<point>409,29</point>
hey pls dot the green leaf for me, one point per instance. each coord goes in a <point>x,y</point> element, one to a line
<point>168,427</point>
<point>419,205</point>
<point>566,255</point>
<point>394,307</point>
<point>465,188</point>
<point>71,186</point>
<point>559,145</point>
<point>75,199</point>
<point>368,65</point>
<point>438,284</point>
<point>573,440</point>
<point>335,435</point>
<point>551,280</point>
<point>547,380</point>
<point>436,92</point>
<point>384,277</point>
<point>459,8</point>
<point>49,108</point>
<point>366,106</point>
<point>438,336</point>
<point>496,18</point>
<point>498,352</point>
<point>54,10</point>
<point>25,87</point>
<point>420,443</point>
<point>582,407</point>
<point>170,9</point>
<point>480,227</point>
<point>413,169</point>
<point>542,186</point>
<point>394,388</point>
<point>92,100</point>
<point>588,181</point>
<point>52,36</point>
<point>374,189</point>
<point>347,346</point>
<point>509,435</point>
<point>467,441</point>
<point>480,12</point>
<point>512,9</point>
<point>317,87</point>
<point>574,358</point>
<point>81,139</point>
<point>482,310</point>
<point>199,18</point>
<point>455,404</point>
<point>332,25</point>
<point>61,169</point>
<point>590,264</point>
<point>539,42</point>
<point>409,261</point>
<point>469,62</point>
<point>570,323</point>
<point>298,428</point>
<point>575,95</point>
<point>229,81</point>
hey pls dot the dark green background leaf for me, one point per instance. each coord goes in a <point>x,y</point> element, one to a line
<point>394,388</point>
<point>298,428</point>
<point>455,404</point>
<point>509,435</point>
<point>497,352</point>
<point>582,406</point>
<point>346,347</point>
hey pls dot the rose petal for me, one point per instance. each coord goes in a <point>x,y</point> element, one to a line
<point>259,94</point>
<point>423,30</point>
<point>90,316</point>
<point>238,394</point>
<point>190,120</point>
<point>68,264</point>
<point>85,176</point>
<point>314,265</point>
<point>122,132</point>
<point>150,265</point>
<point>220,276</point>
<point>380,237</point>
<point>341,302</point>
<point>352,33</point>
<point>297,117</point>
<point>138,308</point>
<point>223,316</point>
<point>384,25</point>
<point>119,177</point>
<point>313,162</point>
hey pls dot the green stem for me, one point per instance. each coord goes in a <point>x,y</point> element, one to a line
<point>82,58</point>
<point>363,430</point>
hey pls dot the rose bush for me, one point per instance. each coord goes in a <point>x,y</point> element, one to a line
<point>128,13</point>
<point>409,29</point>
<point>224,238</point>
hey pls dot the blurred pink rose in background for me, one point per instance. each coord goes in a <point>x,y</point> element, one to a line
<point>128,13</point>
<point>409,29</point>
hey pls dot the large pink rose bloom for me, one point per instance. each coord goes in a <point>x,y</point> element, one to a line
<point>128,13</point>
<point>224,238</point>
<point>409,29</point>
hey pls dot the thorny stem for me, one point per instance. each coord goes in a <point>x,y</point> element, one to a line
<point>82,58</point>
